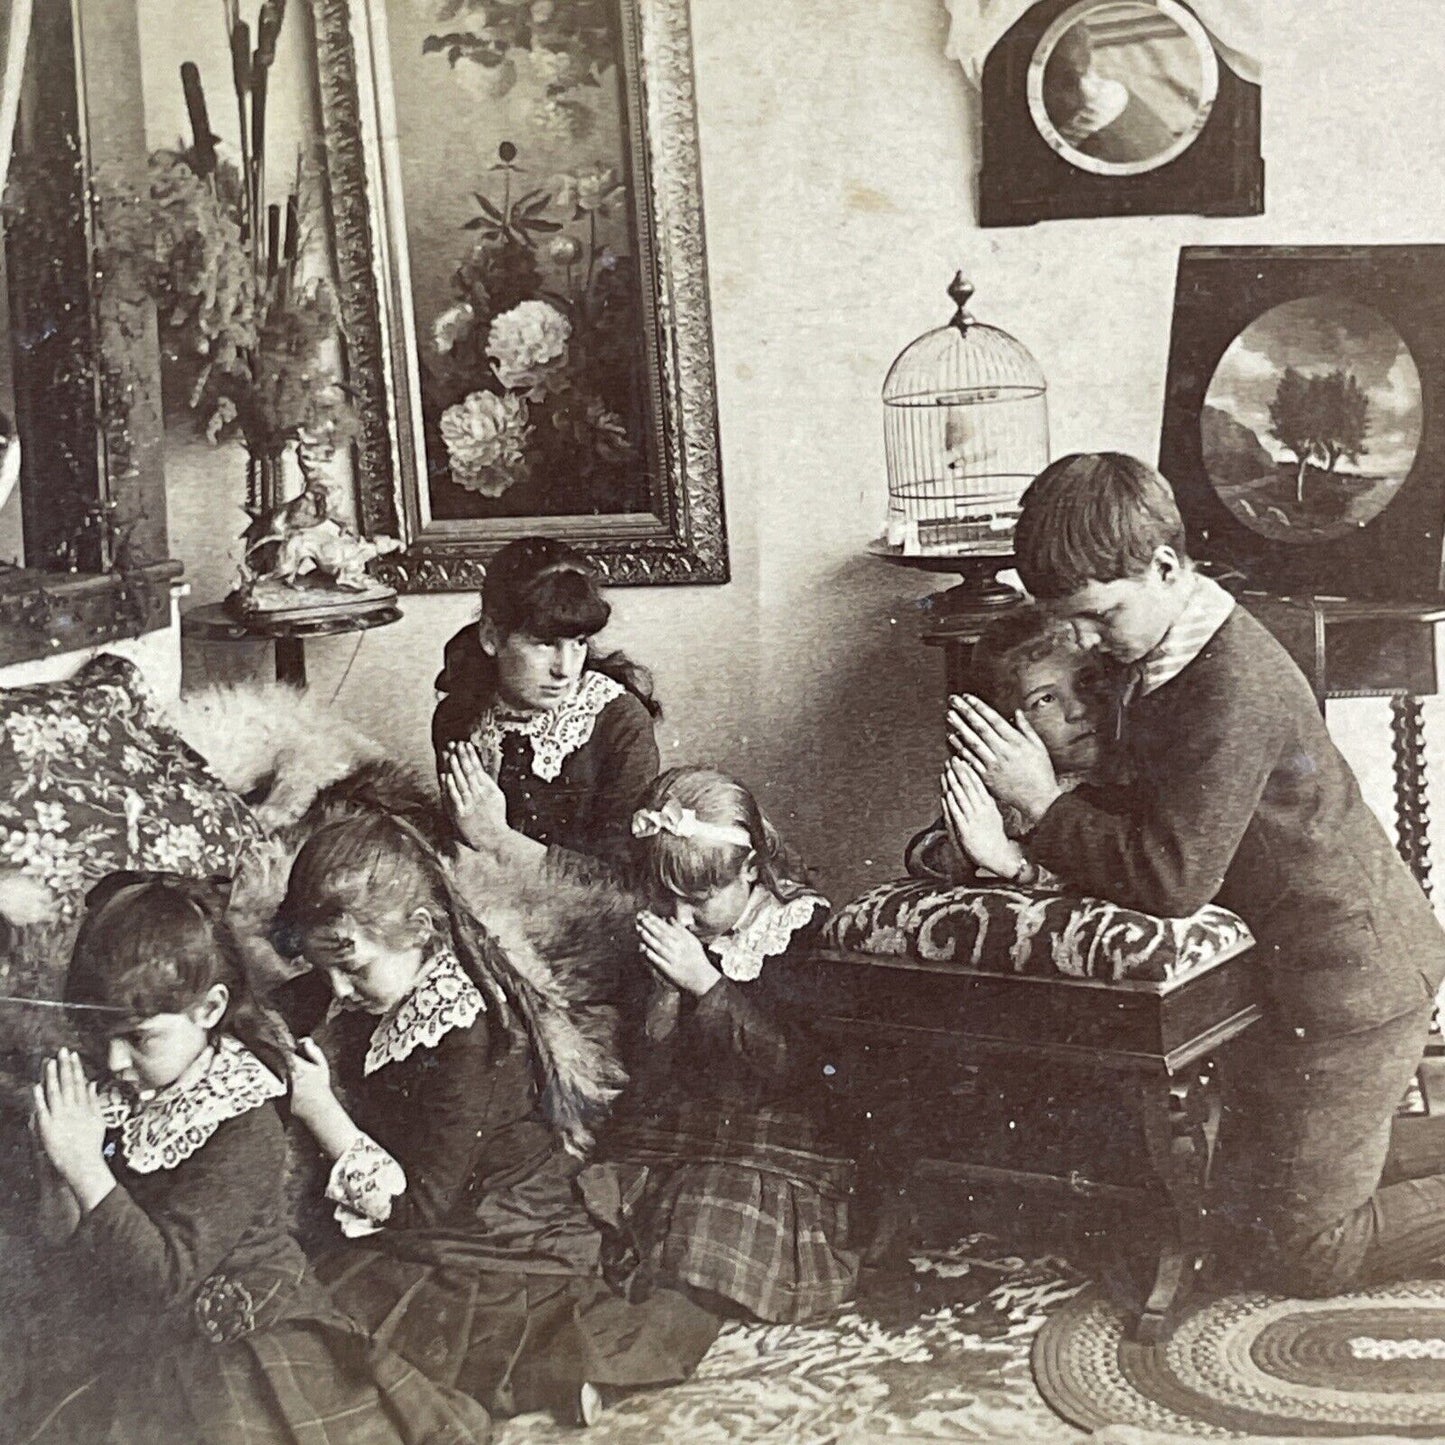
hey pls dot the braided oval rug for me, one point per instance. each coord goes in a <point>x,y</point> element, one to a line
<point>1255,1364</point>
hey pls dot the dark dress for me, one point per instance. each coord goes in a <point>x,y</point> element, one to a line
<point>182,1311</point>
<point>728,1170</point>
<point>576,791</point>
<point>484,1272</point>
<point>1242,798</point>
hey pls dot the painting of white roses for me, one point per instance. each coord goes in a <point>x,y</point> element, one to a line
<point>517,211</point>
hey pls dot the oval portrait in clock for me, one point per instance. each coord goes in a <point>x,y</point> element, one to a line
<point>1121,87</point>
<point>1312,419</point>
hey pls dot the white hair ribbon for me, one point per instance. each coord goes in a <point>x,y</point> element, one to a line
<point>682,822</point>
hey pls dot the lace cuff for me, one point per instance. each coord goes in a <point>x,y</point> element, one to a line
<point>363,1183</point>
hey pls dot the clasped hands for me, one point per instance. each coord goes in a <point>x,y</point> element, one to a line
<point>676,955</point>
<point>69,1127</point>
<point>1008,758</point>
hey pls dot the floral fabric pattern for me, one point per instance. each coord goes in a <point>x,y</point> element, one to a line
<point>166,1129</point>
<point>1016,931</point>
<point>443,999</point>
<point>92,780</point>
<point>554,735</point>
<point>362,1185</point>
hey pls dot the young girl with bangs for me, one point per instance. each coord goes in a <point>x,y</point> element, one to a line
<point>178,1306</point>
<point>470,1251</point>
<point>731,1178</point>
<point>543,746</point>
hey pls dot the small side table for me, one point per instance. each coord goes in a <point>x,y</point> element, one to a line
<point>212,623</point>
<point>1371,649</point>
<point>956,635</point>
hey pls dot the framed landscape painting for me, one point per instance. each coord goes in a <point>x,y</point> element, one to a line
<point>517,211</point>
<point>1299,424</point>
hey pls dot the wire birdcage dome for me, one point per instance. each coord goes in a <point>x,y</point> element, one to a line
<point>966,430</point>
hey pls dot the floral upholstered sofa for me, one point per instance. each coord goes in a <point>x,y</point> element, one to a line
<point>92,779</point>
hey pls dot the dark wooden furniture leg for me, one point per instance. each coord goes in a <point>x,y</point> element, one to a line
<point>1181,1124</point>
<point>291,661</point>
<point>1412,804</point>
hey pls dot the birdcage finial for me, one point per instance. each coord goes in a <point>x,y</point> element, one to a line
<point>959,292</point>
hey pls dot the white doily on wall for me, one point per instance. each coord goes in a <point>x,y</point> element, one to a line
<point>978,25</point>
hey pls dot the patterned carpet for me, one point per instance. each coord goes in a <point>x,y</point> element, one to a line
<point>940,1355</point>
<point>1255,1364</point>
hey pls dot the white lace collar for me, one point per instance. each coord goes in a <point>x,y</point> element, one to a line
<point>765,929</point>
<point>442,999</point>
<point>555,734</point>
<point>161,1131</point>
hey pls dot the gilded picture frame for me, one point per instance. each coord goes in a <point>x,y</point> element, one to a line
<point>649,450</point>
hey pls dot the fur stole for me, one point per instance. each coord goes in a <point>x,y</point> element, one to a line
<point>571,941</point>
<point>276,746</point>
<point>565,941</point>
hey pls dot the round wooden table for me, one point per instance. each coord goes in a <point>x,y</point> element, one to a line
<point>213,623</point>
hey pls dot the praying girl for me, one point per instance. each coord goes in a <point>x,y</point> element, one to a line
<point>731,1178</point>
<point>179,1308</point>
<point>469,1248</point>
<point>543,746</point>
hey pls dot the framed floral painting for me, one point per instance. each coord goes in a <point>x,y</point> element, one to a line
<point>517,212</point>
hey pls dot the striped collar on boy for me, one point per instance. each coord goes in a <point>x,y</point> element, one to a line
<point>1205,612</point>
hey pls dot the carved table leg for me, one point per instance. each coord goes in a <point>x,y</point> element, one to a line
<point>291,661</point>
<point>1181,1124</point>
<point>1412,806</point>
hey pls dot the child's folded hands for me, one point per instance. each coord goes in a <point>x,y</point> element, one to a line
<point>475,801</point>
<point>675,954</point>
<point>975,823</point>
<point>68,1119</point>
<point>1009,757</point>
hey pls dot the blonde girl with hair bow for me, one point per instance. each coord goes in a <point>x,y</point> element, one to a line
<point>730,1178</point>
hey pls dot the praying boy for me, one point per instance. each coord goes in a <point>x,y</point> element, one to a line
<point>1238,796</point>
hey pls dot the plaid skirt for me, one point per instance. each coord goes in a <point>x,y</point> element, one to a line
<point>515,1341</point>
<point>313,1377</point>
<point>740,1206</point>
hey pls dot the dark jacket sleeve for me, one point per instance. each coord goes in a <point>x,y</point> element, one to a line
<point>627,762</point>
<point>160,1256</point>
<point>1166,847</point>
<point>759,1026</point>
<point>931,855</point>
<point>462,1112</point>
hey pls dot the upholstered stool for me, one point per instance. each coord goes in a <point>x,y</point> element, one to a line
<point>914,976</point>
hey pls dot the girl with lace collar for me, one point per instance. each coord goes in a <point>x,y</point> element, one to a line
<point>166,1184</point>
<point>722,1143</point>
<point>543,746</point>
<point>467,1236</point>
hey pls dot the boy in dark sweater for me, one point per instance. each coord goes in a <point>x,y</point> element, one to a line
<point>1240,797</point>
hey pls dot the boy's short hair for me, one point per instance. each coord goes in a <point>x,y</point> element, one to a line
<point>1093,517</point>
<point>1007,645</point>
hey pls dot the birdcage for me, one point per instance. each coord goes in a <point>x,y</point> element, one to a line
<point>966,429</point>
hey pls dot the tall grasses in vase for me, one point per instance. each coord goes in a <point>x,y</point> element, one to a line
<point>242,328</point>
